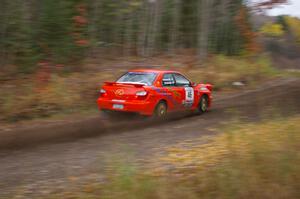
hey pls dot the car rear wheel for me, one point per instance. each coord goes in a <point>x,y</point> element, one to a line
<point>161,110</point>
<point>203,104</point>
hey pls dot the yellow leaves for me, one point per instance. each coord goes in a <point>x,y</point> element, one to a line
<point>272,30</point>
<point>294,26</point>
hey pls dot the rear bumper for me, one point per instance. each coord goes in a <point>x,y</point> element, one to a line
<point>136,106</point>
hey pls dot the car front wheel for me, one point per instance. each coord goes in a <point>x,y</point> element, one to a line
<point>203,104</point>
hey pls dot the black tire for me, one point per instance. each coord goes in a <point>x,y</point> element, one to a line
<point>203,105</point>
<point>161,110</point>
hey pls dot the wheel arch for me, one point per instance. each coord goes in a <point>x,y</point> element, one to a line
<point>162,101</point>
<point>207,96</point>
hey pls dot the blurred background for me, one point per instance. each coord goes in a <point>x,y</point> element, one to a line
<point>51,45</point>
<point>55,54</point>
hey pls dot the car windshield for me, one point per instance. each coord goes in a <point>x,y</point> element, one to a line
<point>138,77</point>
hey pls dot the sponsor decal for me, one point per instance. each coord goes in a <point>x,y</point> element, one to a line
<point>189,98</point>
<point>176,94</point>
<point>166,94</point>
<point>119,92</point>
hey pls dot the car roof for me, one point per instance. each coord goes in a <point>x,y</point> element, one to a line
<point>153,71</point>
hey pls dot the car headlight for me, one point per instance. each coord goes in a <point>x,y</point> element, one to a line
<point>141,93</point>
<point>203,89</point>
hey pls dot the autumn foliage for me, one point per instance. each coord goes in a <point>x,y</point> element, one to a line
<point>293,24</point>
<point>80,22</point>
<point>246,31</point>
<point>273,30</point>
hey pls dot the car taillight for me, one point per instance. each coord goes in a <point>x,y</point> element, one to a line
<point>102,91</point>
<point>141,93</point>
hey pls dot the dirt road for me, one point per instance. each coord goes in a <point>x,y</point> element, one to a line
<point>35,171</point>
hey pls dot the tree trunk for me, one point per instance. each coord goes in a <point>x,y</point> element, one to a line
<point>3,26</point>
<point>128,34</point>
<point>203,34</point>
<point>93,27</point>
<point>154,26</point>
<point>174,27</point>
<point>142,35</point>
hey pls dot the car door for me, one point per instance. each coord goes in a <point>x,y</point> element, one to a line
<point>170,93</point>
<point>183,86</point>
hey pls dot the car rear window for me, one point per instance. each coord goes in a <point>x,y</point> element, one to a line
<point>138,77</point>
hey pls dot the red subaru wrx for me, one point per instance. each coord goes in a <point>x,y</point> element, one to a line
<point>154,92</point>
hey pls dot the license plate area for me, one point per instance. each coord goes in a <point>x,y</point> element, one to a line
<point>118,106</point>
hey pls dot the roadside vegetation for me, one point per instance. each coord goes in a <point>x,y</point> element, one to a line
<point>293,25</point>
<point>43,95</point>
<point>223,71</point>
<point>245,161</point>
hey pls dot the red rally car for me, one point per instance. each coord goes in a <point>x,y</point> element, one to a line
<point>154,93</point>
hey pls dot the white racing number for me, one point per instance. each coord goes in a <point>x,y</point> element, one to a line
<point>189,96</point>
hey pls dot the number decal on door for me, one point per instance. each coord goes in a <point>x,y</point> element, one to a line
<point>189,96</point>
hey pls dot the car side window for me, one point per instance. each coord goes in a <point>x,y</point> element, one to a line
<point>168,80</point>
<point>181,80</point>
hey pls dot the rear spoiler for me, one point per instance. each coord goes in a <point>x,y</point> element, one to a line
<point>125,83</point>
